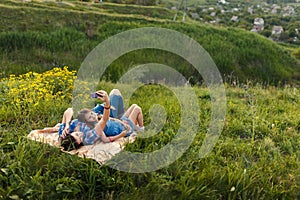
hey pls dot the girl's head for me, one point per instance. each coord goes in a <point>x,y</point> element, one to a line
<point>70,142</point>
<point>87,116</point>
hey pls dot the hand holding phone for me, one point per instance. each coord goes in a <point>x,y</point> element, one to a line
<point>96,95</point>
<point>101,95</point>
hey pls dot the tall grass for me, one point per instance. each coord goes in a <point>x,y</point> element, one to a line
<point>251,160</point>
<point>256,157</point>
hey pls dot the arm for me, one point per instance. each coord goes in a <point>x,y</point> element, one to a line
<point>68,114</point>
<point>106,111</point>
<point>122,134</point>
<point>106,139</point>
<point>102,123</point>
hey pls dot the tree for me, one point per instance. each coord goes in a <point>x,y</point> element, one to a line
<point>284,36</point>
<point>266,33</point>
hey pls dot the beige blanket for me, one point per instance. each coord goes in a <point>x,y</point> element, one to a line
<point>99,151</point>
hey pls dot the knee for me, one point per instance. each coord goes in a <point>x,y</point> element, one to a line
<point>115,92</point>
<point>68,110</point>
<point>137,108</point>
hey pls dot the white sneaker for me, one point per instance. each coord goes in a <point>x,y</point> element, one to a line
<point>140,129</point>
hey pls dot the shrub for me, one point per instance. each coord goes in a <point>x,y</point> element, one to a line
<point>26,92</point>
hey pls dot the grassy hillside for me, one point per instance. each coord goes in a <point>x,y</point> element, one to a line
<point>256,156</point>
<point>40,35</point>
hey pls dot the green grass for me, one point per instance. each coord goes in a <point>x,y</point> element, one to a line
<point>256,156</point>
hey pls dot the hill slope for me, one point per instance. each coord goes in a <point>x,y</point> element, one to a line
<point>40,35</point>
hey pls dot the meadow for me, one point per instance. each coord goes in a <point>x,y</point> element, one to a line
<point>42,45</point>
<point>256,157</point>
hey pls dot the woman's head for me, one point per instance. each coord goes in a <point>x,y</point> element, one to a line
<point>87,116</point>
<point>72,141</point>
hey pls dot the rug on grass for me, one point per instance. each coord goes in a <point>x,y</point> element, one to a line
<point>99,151</point>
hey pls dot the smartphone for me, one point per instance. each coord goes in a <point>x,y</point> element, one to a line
<point>95,95</point>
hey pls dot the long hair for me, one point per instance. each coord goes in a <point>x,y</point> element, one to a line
<point>81,117</point>
<point>69,143</point>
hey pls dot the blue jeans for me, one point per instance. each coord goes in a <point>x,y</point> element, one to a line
<point>117,102</point>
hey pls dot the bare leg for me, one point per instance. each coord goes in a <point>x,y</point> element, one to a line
<point>136,115</point>
<point>129,110</point>
<point>50,129</point>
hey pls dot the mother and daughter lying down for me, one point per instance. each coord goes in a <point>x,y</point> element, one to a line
<point>106,122</point>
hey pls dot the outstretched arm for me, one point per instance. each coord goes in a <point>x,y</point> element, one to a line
<point>102,123</point>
